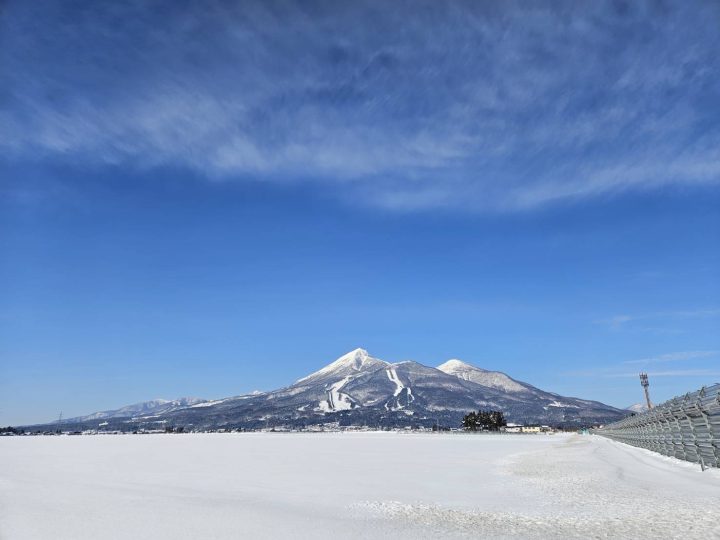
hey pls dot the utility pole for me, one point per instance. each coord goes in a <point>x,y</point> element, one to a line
<point>644,382</point>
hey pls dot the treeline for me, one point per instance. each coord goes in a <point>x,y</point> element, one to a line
<point>483,421</point>
<point>10,429</point>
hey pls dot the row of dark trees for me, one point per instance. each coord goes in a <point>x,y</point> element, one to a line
<point>10,429</point>
<point>484,421</point>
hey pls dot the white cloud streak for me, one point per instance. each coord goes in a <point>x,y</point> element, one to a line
<point>675,357</point>
<point>616,374</point>
<point>623,320</point>
<point>506,108</point>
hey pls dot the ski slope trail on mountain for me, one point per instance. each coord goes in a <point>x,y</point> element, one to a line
<point>337,401</point>
<point>393,376</point>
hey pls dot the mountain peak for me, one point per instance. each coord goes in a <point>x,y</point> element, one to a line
<point>454,364</point>
<point>355,360</point>
<point>637,408</point>
<point>356,353</point>
<point>491,379</point>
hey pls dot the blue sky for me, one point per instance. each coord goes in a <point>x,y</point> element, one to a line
<point>211,198</point>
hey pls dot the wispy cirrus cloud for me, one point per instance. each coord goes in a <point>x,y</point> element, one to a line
<point>616,321</point>
<point>675,357</point>
<point>702,363</point>
<point>696,362</point>
<point>622,320</point>
<point>506,107</point>
<point>617,374</point>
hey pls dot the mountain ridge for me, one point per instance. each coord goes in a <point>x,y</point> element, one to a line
<point>153,406</point>
<point>358,389</point>
<point>484,377</point>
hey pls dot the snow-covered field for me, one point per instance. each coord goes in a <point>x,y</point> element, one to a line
<point>348,485</point>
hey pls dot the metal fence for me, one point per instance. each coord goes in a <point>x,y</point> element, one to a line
<point>686,427</point>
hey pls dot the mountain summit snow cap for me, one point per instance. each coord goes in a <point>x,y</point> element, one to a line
<point>490,379</point>
<point>454,364</point>
<point>355,353</point>
<point>355,360</point>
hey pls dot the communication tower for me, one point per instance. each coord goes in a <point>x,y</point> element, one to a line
<point>644,382</point>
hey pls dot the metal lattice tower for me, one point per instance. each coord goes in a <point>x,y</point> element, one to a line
<point>644,382</point>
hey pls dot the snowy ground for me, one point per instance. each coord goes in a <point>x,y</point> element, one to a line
<point>348,485</point>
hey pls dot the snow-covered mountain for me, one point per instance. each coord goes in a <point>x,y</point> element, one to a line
<point>358,389</point>
<point>491,379</point>
<point>155,406</point>
<point>637,408</point>
<point>503,383</point>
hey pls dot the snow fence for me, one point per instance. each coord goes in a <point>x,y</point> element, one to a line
<point>686,427</point>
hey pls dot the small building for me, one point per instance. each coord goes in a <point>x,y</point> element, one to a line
<point>520,428</point>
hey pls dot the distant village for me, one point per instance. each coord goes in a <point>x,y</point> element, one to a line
<point>331,427</point>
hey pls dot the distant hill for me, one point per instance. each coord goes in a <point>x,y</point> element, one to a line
<point>155,406</point>
<point>637,408</point>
